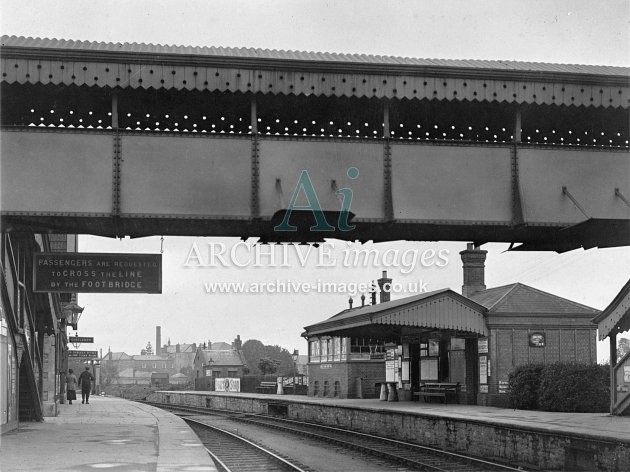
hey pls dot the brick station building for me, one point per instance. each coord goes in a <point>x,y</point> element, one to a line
<point>475,338</point>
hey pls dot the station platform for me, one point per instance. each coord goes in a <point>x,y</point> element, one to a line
<point>108,433</point>
<point>534,439</point>
<point>588,425</point>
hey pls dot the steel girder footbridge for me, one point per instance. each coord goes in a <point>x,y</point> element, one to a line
<point>138,140</point>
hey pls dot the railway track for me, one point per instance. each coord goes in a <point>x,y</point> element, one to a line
<point>233,453</point>
<point>412,456</point>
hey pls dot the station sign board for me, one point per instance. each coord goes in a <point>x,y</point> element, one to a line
<point>81,339</point>
<point>82,353</point>
<point>97,272</point>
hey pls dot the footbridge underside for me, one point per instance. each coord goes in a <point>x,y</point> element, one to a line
<point>140,140</point>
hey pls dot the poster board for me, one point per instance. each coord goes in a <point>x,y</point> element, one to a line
<point>483,369</point>
<point>390,370</point>
<point>429,369</point>
<point>227,385</point>
<point>405,371</point>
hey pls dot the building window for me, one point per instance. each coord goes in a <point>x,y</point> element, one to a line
<point>216,373</point>
<point>324,350</point>
<point>336,349</point>
<point>367,348</point>
<point>232,373</point>
<point>315,352</point>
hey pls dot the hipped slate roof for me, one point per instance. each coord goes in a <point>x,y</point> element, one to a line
<point>520,298</point>
<point>219,357</point>
<point>116,356</point>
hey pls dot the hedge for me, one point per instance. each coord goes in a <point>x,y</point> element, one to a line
<point>524,386</point>
<point>561,386</point>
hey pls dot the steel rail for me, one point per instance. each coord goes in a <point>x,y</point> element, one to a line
<point>266,452</point>
<point>218,461</point>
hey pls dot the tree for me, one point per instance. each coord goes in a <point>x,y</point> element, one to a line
<point>622,347</point>
<point>147,351</point>
<point>254,350</point>
<point>268,366</point>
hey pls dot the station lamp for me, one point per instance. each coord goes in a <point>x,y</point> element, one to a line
<point>73,313</point>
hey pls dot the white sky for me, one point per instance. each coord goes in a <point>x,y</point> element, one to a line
<point>564,31</point>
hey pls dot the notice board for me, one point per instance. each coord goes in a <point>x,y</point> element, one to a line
<point>97,272</point>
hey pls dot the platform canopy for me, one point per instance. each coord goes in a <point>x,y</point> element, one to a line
<point>441,309</point>
<point>616,317</point>
<point>150,66</point>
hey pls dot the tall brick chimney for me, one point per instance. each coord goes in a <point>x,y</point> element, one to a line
<point>158,340</point>
<point>384,296</point>
<point>473,262</point>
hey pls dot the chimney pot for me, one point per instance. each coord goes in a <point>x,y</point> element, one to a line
<point>350,302</point>
<point>362,299</point>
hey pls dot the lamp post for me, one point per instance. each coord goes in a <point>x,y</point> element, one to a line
<point>97,376</point>
<point>295,356</point>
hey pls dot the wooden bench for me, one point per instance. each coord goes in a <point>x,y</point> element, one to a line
<point>437,389</point>
<point>267,387</point>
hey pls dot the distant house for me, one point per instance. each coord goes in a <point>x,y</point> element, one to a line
<point>153,363</point>
<point>182,355</point>
<point>118,361</point>
<point>125,369</point>
<point>219,363</point>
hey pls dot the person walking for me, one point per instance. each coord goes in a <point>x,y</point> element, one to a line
<point>71,386</point>
<point>85,381</point>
